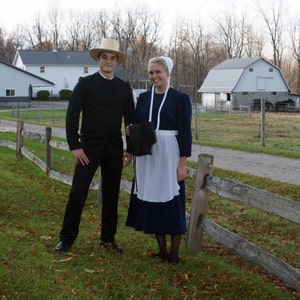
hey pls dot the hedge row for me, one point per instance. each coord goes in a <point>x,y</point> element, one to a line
<point>45,95</point>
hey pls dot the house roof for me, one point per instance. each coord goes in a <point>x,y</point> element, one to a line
<point>224,76</point>
<point>27,73</point>
<point>47,57</point>
<point>61,59</point>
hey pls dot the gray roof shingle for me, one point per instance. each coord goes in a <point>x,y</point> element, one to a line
<point>240,63</point>
<point>47,57</point>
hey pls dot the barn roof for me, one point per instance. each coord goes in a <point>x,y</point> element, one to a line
<point>241,63</point>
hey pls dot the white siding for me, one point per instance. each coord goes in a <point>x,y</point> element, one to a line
<point>261,79</point>
<point>64,77</point>
<point>18,81</point>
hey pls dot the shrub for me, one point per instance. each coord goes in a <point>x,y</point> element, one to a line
<point>65,94</point>
<point>43,95</point>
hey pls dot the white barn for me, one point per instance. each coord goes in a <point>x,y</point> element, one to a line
<point>16,85</point>
<point>245,81</point>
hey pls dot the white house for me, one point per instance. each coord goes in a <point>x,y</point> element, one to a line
<point>16,85</point>
<point>246,81</point>
<point>64,68</point>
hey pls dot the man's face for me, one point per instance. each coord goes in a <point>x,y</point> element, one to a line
<point>107,62</point>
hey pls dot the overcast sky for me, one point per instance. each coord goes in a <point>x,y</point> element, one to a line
<point>24,11</point>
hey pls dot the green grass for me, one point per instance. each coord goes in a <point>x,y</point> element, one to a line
<point>32,209</point>
<point>238,132</point>
<point>241,132</point>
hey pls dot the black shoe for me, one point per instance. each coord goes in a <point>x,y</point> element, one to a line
<point>111,246</point>
<point>161,256</point>
<point>60,247</point>
<point>173,260</point>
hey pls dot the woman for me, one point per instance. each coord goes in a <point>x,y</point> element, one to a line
<point>157,203</point>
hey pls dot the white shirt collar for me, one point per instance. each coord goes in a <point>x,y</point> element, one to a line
<point>105,76</point>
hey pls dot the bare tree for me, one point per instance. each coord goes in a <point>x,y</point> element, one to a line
<point>191,52</point>
<point>103,26</point>
<point>273,15</point>
<point>295,38</point>
<point>37,36</point>
<point>81,30</point>
<point>137,29</point>
<point>233,32</point>
<point>2,43</point>
<point>54,24</point>
<point>254,44</point>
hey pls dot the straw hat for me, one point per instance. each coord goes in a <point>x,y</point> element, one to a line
<point>109,45</point>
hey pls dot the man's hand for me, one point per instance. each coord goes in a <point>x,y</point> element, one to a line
<point>127,159</point>
<point>80,157</point>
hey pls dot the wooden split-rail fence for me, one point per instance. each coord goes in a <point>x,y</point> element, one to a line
<point>197,221</point>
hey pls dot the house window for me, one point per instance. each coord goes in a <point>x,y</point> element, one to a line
<point>245,93</point>
<point>270,69</point>
<point>250,69</point>
<point>85,69</point>
<point>273,93</point>
<point>42,69</point>
<point>10,93</point>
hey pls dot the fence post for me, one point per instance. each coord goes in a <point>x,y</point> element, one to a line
<point>39,111</point>
<point>20,139</point>
<point>199,204</point>
<point>13,109</point>
<point>52,109</point>
<point>196,119</point>
<point>48,134</point>
<point>263,122</point>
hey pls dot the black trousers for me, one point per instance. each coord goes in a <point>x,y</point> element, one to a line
<point>111,171</point>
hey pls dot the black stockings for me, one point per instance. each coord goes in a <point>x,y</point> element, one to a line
<point>163,251</point>
<point>162,245</point>
<point>175,241</point>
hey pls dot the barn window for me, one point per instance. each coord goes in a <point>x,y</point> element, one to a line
<point>10,93</point>
<point>250,69</point>
<point>85,69</point>
<point>42,69</point>
<point>270,69</point>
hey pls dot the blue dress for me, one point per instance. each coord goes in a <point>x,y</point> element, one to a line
<point>163,217</point>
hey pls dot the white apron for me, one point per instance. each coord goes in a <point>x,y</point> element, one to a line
<point>156,174</point>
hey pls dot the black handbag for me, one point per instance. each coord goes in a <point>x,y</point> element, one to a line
<point>142,136</point>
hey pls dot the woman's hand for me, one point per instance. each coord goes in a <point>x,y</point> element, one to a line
<point>181,169</point>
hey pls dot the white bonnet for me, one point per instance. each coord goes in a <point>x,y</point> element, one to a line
<point>169,63</point>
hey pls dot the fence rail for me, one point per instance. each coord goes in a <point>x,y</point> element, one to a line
<point>197,221</point>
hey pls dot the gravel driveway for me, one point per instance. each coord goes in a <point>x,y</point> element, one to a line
<point>269,166</point>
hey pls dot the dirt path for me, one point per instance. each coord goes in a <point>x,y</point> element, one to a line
<point>269,166</point>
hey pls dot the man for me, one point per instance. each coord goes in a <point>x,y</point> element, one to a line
<point>104,100</point>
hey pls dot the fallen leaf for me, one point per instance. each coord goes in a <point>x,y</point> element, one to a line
<point>89,271</point>
<point>65,259</point>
